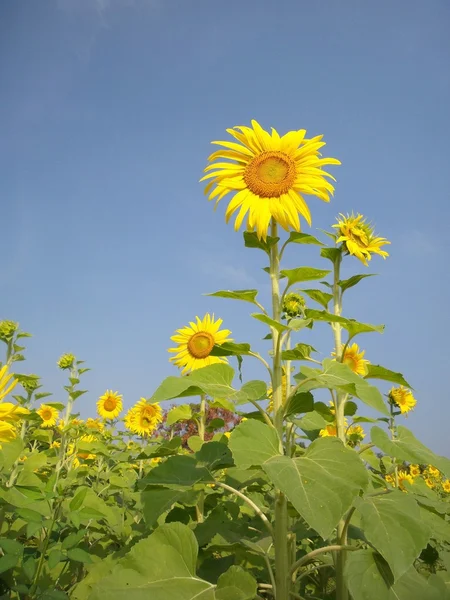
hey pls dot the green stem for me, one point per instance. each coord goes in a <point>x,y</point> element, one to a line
<point>247,500</point>
<point>33,588</point>
<point>308,557</point>
<point>281,515</point>
<point>200,508</point>
<point>393,436</point>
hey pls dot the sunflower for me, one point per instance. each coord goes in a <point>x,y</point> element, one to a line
<point>446,486</point>
<point>402,398</point>
<point>354,358</point>
<point>196,342</point>
<point>48,414</point>
<point>432,471</point>
<point>269,175</point>
<point>95,424</point>
<point>355,435</point>
<point>358,237</point>
<point>89,438</point>
<point>144,417</point>
<point>7,432</point>
<point>293,305</point>
<point>402,477</point>
<point>12,412</point>
<point>430,483</point>
<point>331,429</point>
<point>109,406</point>
<point>5,386</point>
<point>414,470</point>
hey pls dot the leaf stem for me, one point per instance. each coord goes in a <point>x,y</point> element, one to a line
<point>317,552</point>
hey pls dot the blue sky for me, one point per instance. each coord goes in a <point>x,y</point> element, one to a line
<point>107,108</point>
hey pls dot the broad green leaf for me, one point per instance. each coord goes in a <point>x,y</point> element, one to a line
<point>79,555</point>
<point>178,472</point>
<point>73,539</point>
<point>245,295</point>
<point>251,241</point>
<point>55,556</point>
<point>320,297</point>
<point>254,390</point>
<point>321,484</point>
<point>270,322</point>
<point>179,413</point>
<point>440,527</point>
<point>330,253</point>
<point>77,500</point>
<point>160,567</point>
<point>407,447</point>
<point>231,349</point>
<point>353,327</point>
<point>345,284</point>
<point>303,274</point>
<point>302,238</point>
<point>323,315</point>
<point>8,562</point>
<point>11,547</point>
<point>301,402</point>
<point>214,455</point>
<point>379,372</point>
<point>298,324</point>
<point>156,501</point>
<point>312,421</point>
<point>252,443</point>
<point>195,442</point>
<point>10,452</point>
<point>392,524</point>
<point>166,448</point>
<point>236,584</point>
<point>57,405</point>
<point>300,352</point>
<point>339,376</point>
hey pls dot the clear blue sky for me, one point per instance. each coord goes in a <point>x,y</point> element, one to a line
<point>107,108</point>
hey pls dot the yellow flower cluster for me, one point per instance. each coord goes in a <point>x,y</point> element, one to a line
<point>143,418</point>
<point>430,474</point>
<point>10,414</point>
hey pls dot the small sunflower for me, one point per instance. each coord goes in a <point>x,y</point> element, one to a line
<point>48,414</point>
<point>446,486</point>
<point>430,482</point>
<point>358,238</point>
<point>402,398</point>
<point>329,431</point>
<point>354,358</point>
<point>293,305</point>
<point>196,342</point>
<point>402,477</point>
<point>432,471</point>
<point>144,417</point>
<point>269,175</point>
<point>414,470</point>
<point>109,406</point>
<point>6,385</point>
<point>95,424</point>
<point>355,435</point>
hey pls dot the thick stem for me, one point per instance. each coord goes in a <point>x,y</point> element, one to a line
<point>281,515</point>
<point>393,435</point>
<point>200,508</point>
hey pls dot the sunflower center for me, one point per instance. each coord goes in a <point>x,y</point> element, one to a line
<point>46,415</point>
<point>201,344</point>
<point>109,404</point>
<point>270,174</point>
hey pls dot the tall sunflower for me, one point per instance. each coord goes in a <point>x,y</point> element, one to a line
<point>109,406</point>
<point>269,175</point>
<point>402,398</point>
<point>143,417</point>
<point>358,237</point>
<point>354,358</point>
<point>196,342</point>
<point>48,414</point>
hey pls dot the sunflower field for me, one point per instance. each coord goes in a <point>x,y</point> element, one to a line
<point>305,485</point>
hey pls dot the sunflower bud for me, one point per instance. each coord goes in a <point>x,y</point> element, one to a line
<point>293,305</point>
<point>7,330</point>
<point>66,361</point>
<point>30,383</point>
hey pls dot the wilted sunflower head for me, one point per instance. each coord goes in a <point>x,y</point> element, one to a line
<point>358,237</point>
<point>48,414</point>
<point>268,175</point>
<point>109,406</point>
<point>403,398</point>
<point>195,344</point>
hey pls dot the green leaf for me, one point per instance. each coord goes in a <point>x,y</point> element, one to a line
<point>8,562</point>
<point>73,539</point>
<point>330,253</point>
<point>160,567</point>
<point>77,394</point>
<point>178,472</point>
<point>271,322</point>
<point>236,584</point>
<point>78,499</point>
<point>244,295</point>
<point>301,402</point>
<point>254,390</point>
<point>353,327</point>
<point>312,421</point>
<point>406,447</point>
<point>194,442</point>
<point>323,315</point>
<point>11,547</point>
<point>251,241</point>
<point>379,372</point>
<point>79,555</point>
<point>252,443</point>
<point>300,352</point>
<point>179,413</point>
<point>348,283</point>
<point>214,456</point>
<point>369,578</point>
<point>302,238</point>
<point>9,453</point>
<point>42,395</point>
<point>157,501</point>
<point>320,297</point>
<point>440,527</point>
<point>55,556</point>
<point>321,484</point>
<point>57,405</point>
<point>392,524</point>
<point>303,274</point>
<point>298,324</point>
<point>231,349</point>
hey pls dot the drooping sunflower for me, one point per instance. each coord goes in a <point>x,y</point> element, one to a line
<point>196,342</point>
<point>94,424</point>
<point>143,417</point>
<point>269,175</point>
<point>354,358</point>
<point>6,385</point>
<point>48,414</point>
<point>402,398</point>
<point>109,406</point>
<point>358,237</point>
